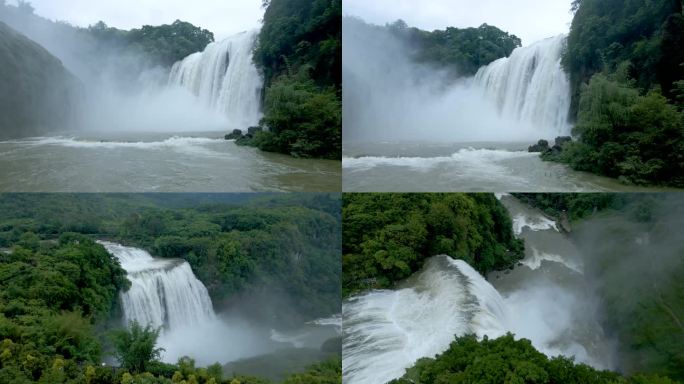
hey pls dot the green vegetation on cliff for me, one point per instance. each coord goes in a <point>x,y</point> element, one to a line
<point>163,44</point>
<point>626,65</point>
<point>299,51</point>
<point>623,134</point>
<point>506,360</point>
<point>461,50</point>
<point>235,246</point>
<point>644,35</point>
<point>157,45</point>
<point>387,237</point>
<point>51,295</point>
<point>37,94</point>
<point>577,206</point>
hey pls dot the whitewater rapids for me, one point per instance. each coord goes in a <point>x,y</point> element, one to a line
<point>385,332</point>
<point>546,299</point>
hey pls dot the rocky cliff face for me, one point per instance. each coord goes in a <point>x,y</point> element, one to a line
<point>37,94</point>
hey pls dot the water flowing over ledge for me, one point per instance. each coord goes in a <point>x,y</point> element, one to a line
<point>531,86</point>
<point>385,332</point>
<point>224,77</point>
<point>164,293</point>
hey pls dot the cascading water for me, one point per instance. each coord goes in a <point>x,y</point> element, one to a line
<point>224,77</point>
<point>385,332</point>
<point>530,86</point>
<point>163,293</point>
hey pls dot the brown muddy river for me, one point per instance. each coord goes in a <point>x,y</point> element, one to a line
<point>137,162</point>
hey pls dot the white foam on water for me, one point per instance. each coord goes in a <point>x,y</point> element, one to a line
<point>468,158</point>
<point>196,146</point>
<point>386,332</point>
<point>72,142</point>
<point>296,340</point>
<point>535,261</point>
<point>536,223</point>
<point>335,321</point>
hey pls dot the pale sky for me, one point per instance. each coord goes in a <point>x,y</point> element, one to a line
<point>223,17</point>
<point>530,20</point>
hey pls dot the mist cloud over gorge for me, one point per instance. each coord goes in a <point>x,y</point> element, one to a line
<point>634,259</point>
<point>388,96</point>
<point>120,89</point>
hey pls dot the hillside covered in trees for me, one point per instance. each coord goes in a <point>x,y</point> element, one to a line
<point>59,288</point>
<point>299,51</point>
<point>388,237</point>
<point>155,45</point>
<point>38,94</point>
<point>48,65</point>
<point>462,51</point>
<point>506,360</point>
<point>625,60</point>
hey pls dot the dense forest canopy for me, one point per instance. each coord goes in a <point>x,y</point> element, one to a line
<point>158,45</point>
<point>165,44</point>
<point>299,51</point>
<point>288,243</point>
<point>644,34</point>
<point>58,287</point>
<point>461,50</point>
<point>625,60</point>
<point>577,206</point>
<point>506,360</point>
<point>387,237</point>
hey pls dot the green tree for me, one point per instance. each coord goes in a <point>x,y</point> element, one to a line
<point>387,237</point>
<point>299,51</point>
<point>135,346</point>
<point>301,119</point>
<point>623,134</point>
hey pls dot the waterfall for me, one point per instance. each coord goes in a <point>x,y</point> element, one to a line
<point>385,332</point>
<point>530,86</point>
<point>164,292</point>
<point>224,77</point>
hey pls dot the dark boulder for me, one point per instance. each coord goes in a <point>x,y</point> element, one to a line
<point>541,146</point>
<point>236,134</point>
<point>253,130</point>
